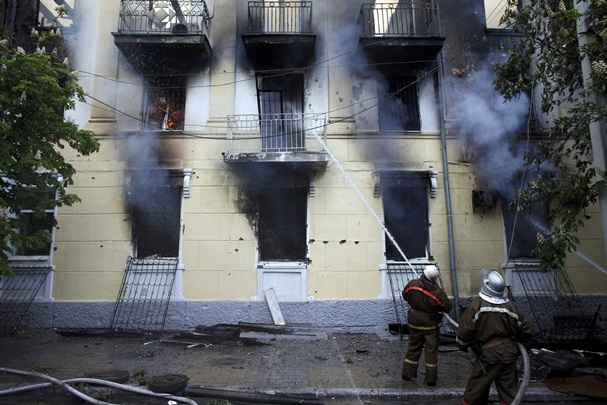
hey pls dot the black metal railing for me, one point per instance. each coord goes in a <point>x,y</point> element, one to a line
<point>414,18</point>
<point>17,293</point>
<point>280,17</point>
<point>164,16</point>
<point>145,294</point>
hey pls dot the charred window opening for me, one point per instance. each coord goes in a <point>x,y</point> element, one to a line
<point>281,103</point>
<point>165,103</point>
<point>399,106</point>
<point>155,208</point>
<point>529,224</point>
<point>282,224</point>
<point>405,198</point>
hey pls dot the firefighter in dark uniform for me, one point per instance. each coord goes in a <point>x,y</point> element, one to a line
<point>491,326</point>
<point>427,302</point>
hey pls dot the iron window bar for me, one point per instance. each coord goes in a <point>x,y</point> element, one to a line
<point>164,17</point>
<point>145,294</point>
<point>399,275</point>
<point>280,132</point>
<point>555,307</point>
<point>280,17</point>
<point>413,18</point>
<point>17,293</point>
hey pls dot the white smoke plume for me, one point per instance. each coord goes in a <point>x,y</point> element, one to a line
<point>489,126</point>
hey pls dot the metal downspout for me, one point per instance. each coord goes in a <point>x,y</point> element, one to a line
<point>447,186</point>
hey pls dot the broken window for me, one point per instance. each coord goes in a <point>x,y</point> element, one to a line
<point>282,223</point>
<point>155,207</point>
<point>405,198</point>
<point>165,103</point>
<point>495,10</point>
<point>399,106</point>
<point>529,224</point>
<point>280,100</point>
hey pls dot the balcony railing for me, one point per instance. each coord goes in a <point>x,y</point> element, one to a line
<point>418,18</point>
<point>280,17</point>
<point>266,133</point>
<point>163,17</point>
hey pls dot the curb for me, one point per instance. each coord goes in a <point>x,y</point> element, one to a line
<point>534,394</point>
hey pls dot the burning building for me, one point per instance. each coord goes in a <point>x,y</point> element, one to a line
<point>213,118</point>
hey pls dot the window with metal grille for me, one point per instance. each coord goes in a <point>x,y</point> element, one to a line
<point>405,199</point>
<point>282,224</point>
<point>165,103</point>
<point>399,106</point>
<point>280,101</point>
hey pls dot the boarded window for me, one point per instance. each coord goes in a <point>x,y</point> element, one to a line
<point>399,107</point>
<point>528,224</point>
<point>155,207</point>
<point>165,103</point>
<point>282,224</point>
<point>405,198</point>
<point>280,99</point>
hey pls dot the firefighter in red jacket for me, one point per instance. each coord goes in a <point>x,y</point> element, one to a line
<point>427,302</point>
<point>491,326</point>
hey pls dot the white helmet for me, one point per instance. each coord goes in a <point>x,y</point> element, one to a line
<point>493,289</point>
<point>431,272</point>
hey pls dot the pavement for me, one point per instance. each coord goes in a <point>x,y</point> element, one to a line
<point>337,367</point>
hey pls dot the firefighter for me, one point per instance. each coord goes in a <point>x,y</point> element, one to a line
<point>491,326</point>
<point>427,302</point>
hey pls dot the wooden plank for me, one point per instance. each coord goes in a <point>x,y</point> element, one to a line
<point>272,301</point>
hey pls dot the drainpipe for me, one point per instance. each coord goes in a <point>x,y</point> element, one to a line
<point>447,186</point>
<point>598,129</point>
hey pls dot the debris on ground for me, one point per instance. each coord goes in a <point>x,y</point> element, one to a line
<point>587,385</point>
<point>168,383</point>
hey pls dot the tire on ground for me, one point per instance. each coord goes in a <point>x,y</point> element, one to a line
<point>168,383</point>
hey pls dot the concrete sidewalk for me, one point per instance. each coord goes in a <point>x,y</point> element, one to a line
<point>328,365</point>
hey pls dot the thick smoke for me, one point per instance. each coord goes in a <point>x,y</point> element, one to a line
<point>489,127</point>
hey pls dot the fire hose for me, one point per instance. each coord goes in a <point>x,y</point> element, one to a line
<point>65,384</point>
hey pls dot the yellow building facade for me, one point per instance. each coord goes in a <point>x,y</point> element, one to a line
<point>228,254</point>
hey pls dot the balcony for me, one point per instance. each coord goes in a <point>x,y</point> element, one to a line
<point>402,32</point>
<point>279,34</point>
<point>169,35</point>
<point>277,138</point>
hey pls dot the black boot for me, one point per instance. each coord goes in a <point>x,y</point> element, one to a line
<point>431,376</point>
<point>409,371</point>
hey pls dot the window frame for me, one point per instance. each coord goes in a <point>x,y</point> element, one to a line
<point>485,16</point>
<point>386,93</point>
<point>36,258</point>
<point>150,88</point>
<point>428,258</point>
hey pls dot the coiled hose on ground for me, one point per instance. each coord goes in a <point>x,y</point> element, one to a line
<point>526,367</point>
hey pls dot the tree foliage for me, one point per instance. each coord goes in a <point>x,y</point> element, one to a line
<point>546,62</point>
<point>35,90</point>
